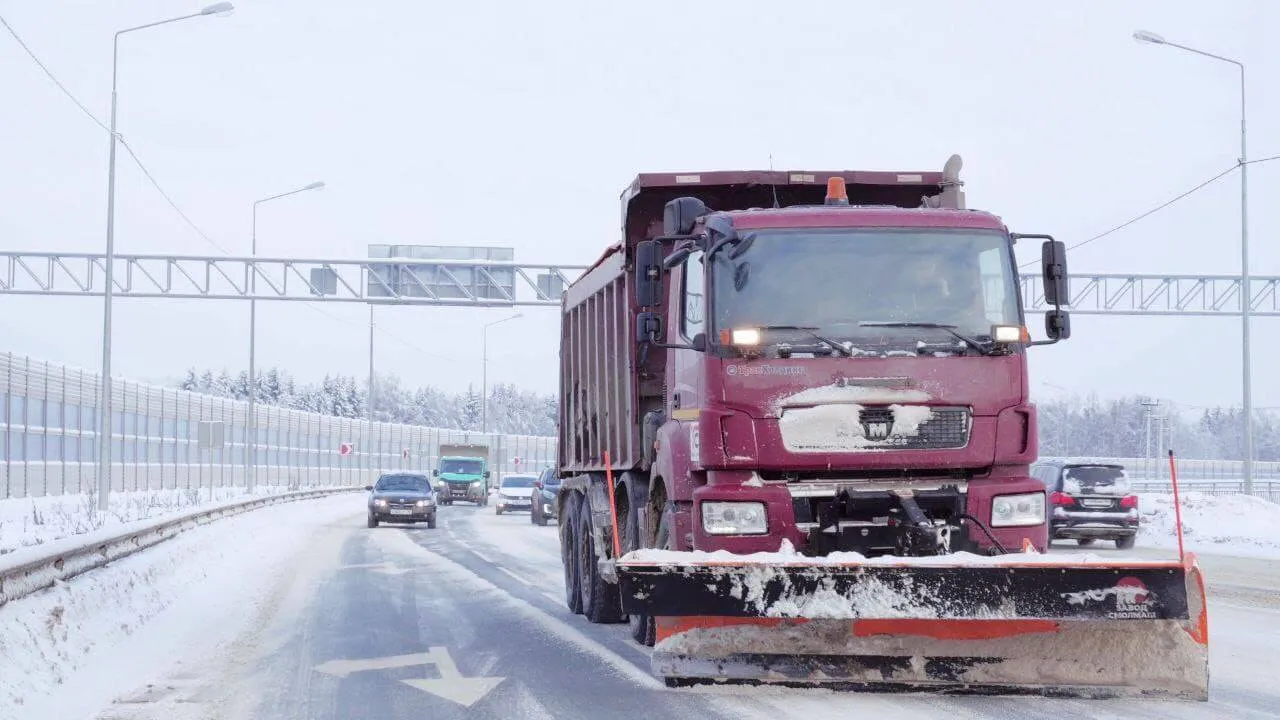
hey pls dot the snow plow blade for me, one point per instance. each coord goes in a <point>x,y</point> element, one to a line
<point>1025,624</point>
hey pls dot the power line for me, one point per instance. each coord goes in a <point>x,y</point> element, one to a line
<point>151,178</point>
<point>119,138</point>
<point>1150,212</point>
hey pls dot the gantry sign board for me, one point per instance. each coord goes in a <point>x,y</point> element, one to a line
<point>481,282</point>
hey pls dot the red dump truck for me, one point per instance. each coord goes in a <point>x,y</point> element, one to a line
<point>795,439</point>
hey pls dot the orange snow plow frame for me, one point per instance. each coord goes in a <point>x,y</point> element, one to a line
<point>1028,625</point>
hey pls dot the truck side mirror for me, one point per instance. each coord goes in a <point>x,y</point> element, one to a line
<point>436,472</point>
<point>1053,268</point>
<point>487,474</point>
<point>649,273</point>
<point>1057,325</point>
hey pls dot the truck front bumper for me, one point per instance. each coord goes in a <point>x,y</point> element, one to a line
<point>785,503</point>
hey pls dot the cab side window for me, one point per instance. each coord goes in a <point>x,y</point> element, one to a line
<point>695,287</point>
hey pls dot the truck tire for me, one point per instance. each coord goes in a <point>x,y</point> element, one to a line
<point>1126,542</point>
<point>643,629</point>
<point>601,600</point>
<point>569,554</point>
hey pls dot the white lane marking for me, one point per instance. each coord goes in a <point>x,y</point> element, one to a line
<point>513,575</point>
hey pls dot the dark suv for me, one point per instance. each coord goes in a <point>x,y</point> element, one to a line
<point>1089,501</point>
<point>544,497</point>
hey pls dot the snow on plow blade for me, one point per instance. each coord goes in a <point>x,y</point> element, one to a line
<point>1013,624</point>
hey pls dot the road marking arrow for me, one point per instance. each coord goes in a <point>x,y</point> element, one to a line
<point>451,685</point>
<point>343,668</point>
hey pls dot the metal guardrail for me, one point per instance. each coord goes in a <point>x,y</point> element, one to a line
<point>32,576</point>
<point>1267,489</point>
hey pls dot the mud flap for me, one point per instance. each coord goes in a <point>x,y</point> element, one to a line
<point>1008,625</point>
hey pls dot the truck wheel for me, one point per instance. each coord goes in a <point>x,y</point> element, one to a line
<point>373,521</point>
<point>1127,542</point>
<point>601,600</point>
<point>643,629</point>
<point>569,555</point>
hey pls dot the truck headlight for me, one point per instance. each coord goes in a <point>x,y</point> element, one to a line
<point>734,518</point>
<point>1017,510</point>
<point>475,485</point>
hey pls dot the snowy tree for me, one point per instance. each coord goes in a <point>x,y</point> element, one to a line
<point>190,383</point>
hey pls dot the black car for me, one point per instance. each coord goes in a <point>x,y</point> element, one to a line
<point>544,498</point>
<point>402,498</point>
<point>1089,501</point>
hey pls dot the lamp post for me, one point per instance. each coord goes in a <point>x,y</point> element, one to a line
<point>251,423</point>
<point>1245,294</point>
<point>104,402</point>
<point>484,373</point>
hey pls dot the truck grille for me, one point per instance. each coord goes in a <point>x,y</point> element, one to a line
<point>947,428</point>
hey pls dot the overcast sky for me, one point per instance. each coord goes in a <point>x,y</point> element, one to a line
<point>517,125</point>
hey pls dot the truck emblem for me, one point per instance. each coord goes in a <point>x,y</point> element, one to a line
<point>876,430</point>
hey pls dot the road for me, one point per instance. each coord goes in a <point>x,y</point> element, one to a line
<point>468,621</point>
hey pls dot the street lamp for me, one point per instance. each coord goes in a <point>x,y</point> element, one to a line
<point>484,382</point>
<point>104,402</point>
<point>1245,294</point>
<point>251,425</point>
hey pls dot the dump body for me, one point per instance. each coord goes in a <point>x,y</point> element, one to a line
<point>464,472</point>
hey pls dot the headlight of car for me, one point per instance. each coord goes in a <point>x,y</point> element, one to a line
<point>1017,510</point>
<point>426,503</point>
<point>734,518</point>
<point>380,502</point>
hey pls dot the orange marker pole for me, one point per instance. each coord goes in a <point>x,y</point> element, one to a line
<point>613,506</point>
<point>1177,504</point>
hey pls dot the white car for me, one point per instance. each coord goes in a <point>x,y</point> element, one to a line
<point>515,492</point>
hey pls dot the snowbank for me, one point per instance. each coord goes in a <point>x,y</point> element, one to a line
<point>34,527</point>
<point>70,650</point>
<point>1219,524</point>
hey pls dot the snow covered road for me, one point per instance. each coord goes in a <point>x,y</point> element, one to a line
<point>300,611</point>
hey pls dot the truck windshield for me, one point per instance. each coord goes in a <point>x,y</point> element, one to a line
<point>462,467</point>
<point>837,281</point>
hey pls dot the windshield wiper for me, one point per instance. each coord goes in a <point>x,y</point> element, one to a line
<point>984,348</point>
<point>813,332</point>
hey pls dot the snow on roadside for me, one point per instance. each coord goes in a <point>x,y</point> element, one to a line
<point>70,650</point>
<point>34,527</point>
<point>1220,524</point>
